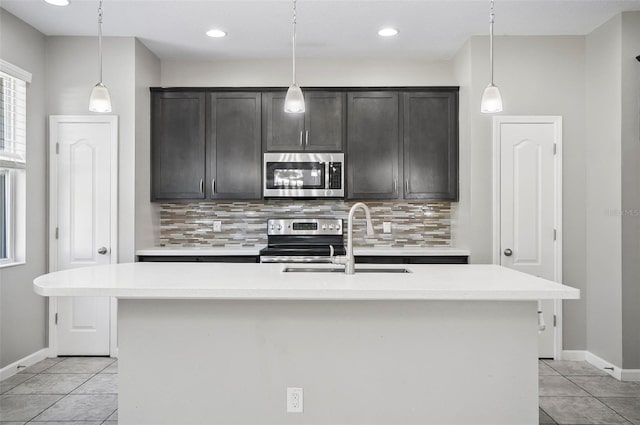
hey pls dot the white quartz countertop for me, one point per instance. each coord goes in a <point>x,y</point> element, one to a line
<point>269,282</point>
<point>230,251</point>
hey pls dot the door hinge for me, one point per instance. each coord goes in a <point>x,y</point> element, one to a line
<point>57,148</point>
<point>555,320</point>
<point>56,319</point>
<point>555,234</point>
<point>57,233</point>
<point>555,148</point>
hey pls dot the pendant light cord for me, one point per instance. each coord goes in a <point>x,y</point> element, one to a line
<point>294,43</point>
<point>492,17</point>
<point>100,41</point>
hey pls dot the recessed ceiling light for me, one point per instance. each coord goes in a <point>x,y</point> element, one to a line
<point>58,2</point>
<point>388,32</point>
<point>216,33</point>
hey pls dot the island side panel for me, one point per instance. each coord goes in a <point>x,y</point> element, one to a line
<point>373,362</point>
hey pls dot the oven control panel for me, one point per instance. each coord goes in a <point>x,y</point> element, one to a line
<point>304,226</point>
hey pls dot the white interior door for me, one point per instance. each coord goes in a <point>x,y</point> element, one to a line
<point>529,205</point>
<point>82,210</point>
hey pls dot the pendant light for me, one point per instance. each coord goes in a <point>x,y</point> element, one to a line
<point>100,101</point>
<point>294,101</point>
<point>491,98</point>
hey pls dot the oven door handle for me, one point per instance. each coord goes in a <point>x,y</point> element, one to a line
<point>294,259</point>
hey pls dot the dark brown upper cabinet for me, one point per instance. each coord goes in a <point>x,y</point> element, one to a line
<point>321,128</point>
<point>430,133</point>
<point>178,145</point>
<point>233,145</point>
<point>424,165</point>
<point>206,145</point>
<point>372,145</point>
<point>400,143</point>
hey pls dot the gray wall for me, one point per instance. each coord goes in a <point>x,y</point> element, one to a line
<point>613,196</point>
<point>531,83</point>
<point>630,190</point>
<point>309,73</point>
<point>147,221</point>
<point>72,70</point>
<point>461,211</point>
<point>603,266</point>
<point>22,312</point>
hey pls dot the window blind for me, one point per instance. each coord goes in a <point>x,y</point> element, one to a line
<point>13,119</point>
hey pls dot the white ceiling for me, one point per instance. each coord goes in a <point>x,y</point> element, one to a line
<point>345,29</point>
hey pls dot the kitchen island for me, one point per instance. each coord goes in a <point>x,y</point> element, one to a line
<point>221,343</point>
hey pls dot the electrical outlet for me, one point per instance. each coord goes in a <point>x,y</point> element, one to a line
<point>217,226</point>
<point>386,227</point>
<point>295,400</point>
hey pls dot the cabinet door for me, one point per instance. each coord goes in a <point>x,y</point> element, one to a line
<point>430,130</point>
<point>234,148</point>
<point>372,145</point>
<point>324,121</point>
<point>282,131</point>
<point>178,146</point>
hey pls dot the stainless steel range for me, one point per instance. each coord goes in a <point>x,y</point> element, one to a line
<point>303,240</point>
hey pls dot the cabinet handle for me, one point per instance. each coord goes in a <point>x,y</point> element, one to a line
<point>300,137</point>
<point>307,138</point>
<point>406,186</point>
<point>201,185</point>
<point>395,185</point>
<point>213,185</point>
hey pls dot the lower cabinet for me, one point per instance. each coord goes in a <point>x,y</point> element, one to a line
<point>362,259</point>
<point>198,259</point>
<point>414,259</point>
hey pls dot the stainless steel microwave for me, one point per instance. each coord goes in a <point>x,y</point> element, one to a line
<point>307,175</point>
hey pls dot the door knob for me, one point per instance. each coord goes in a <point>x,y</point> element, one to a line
<point>508,252</point>
<point>102,250</point>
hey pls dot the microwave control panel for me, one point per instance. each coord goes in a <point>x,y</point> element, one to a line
<point>335,175</point>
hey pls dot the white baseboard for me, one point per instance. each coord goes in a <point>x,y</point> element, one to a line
<point>31,359</point>
<point>600,363</point>
<point>631,374</point>
<point>604,365</point>
<point>574,355</point>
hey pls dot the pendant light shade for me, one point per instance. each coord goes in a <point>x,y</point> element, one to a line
<point>491,98</point>
<point>294,101</point>
<point>100,100</point>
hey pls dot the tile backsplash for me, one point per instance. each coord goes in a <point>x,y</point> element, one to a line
<point>244,223</point>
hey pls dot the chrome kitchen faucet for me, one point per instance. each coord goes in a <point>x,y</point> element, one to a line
<point>348,260</point>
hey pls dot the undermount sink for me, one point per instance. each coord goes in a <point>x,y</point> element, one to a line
<point>341,270</point>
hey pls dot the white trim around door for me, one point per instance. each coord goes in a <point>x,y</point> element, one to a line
<point>556,121</point>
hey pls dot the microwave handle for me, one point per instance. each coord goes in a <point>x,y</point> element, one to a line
<point>327,176</point>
